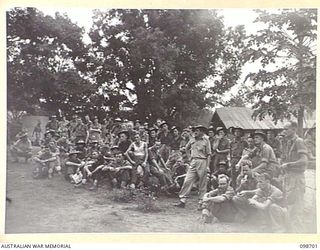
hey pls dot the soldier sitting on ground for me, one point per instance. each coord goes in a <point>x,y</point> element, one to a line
<point>266,205</point>
<point>268,200</point>
<point>55,153</point>
<point>46,162</point>
<point>217,204</point>
<point>158,167</point>
<point>92,169</point>
<point>74,165</point>
<point>21,148</point>
<point>118,171</point>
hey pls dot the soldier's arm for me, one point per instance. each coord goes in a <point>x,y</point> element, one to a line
<point>303,160</point>
<point>226,146</point>
<point>53,158</point>
<point>303,155</point>
<point>128,155</point>
<point>145,153</point>
<point>260,205</point>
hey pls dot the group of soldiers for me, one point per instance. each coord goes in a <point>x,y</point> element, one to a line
<point>238,176</point>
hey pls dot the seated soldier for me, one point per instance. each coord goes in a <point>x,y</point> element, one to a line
<point>48,137</point>
<point>45,158</point>
<point>21,148</point>
<point>179,172</point>
<point>217,204</point>
<point>56,153</point>
<point>93,147</point>
<point>81,147</point>
<point>92,169</point>
<point>74,165</point>
<point>245,189</point>
<point>124,141</point>
<point>265,204</point>
<point>246,179</point>
<point>158,167</point>
<point>137,154</point>
<point>222,169</point>
<point>249,153</point>
<point>118,171</point>
<point>63,145</point>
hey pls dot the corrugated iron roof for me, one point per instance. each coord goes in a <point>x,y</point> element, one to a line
<point>242,117</point>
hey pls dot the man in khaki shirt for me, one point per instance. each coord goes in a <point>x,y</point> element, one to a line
<point>294,166</point>
<point>200,159</point>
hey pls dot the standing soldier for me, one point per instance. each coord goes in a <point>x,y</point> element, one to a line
<point>72,126</point>
<point>21,148</point>
<point>116,128</point>
<point>237,146</point>
<point>152,136</point>
<point>296,161</point>
<point>37,132</point>
<point>80,131</point>
<point>64,127</point>
<point>53,124</point>
<point>223,148</point>
<point>274,143</point>
<point>165,137</point>
<point>214,142</point>
<point>200,159</point>
<point>95,130</point>
<point>174,147</point>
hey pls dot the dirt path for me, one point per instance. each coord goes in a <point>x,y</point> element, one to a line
<point>54,206</point>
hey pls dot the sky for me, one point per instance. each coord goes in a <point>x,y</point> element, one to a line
<point>232,17</point>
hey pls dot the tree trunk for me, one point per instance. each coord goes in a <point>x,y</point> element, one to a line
<point>300,121</point>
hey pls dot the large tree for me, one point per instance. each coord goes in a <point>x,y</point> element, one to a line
<point>41,55</point>
<point>286,52</point>
<point>156,60</point>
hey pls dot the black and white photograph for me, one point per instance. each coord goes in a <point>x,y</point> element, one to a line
<point>161,120</point>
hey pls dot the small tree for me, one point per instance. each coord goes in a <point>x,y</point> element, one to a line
<point>286,83</point>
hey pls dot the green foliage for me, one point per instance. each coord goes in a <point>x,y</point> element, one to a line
<point>145,63</point>
<point>41,51</point>
<point>286,83</point>
<point>160,57</point>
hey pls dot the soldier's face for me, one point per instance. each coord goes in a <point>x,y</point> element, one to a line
<point>270,135</point>
<point>250,142</point>
<point>237,133</point>
<point>119,157</point>
<point>158,145</point>
<point>95,155</point>
<point>288,130</point>
<point>123,137</point>
<point>175,132</point>
<point>179,162</point>
<point>197,132</point>
<point>211,134</point>
<point>153,133</point>
<point>258,139</point>
<point>262,183</point>
<point>137,138</point>
<point>223,184</point>
<point>246,169</point>
<point>221,133</point>
<point>141,129</point>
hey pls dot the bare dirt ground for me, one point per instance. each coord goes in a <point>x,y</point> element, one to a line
<point>55,206</point>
